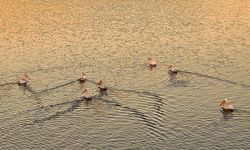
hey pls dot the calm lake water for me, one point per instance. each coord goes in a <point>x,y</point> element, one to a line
<point>53,41</point>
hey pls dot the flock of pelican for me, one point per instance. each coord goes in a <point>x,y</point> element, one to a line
<point>225,105</point>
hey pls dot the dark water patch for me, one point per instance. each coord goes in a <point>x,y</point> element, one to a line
<point>214,78</point>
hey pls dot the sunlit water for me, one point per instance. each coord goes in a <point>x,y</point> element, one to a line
<point>54,41</point>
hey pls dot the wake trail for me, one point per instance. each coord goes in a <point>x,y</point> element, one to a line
<point>56,87</point>
<point>214,78</point>
<point>74,104</point>
<point>8,83</point>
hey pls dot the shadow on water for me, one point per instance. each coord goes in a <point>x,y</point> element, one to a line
<point>214,78</point>
<point>174,82</point>
<point>151,68</point>
<point>226,116</point>
<point>28,88</point>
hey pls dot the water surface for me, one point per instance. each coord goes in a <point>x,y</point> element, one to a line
<point>53,41</point>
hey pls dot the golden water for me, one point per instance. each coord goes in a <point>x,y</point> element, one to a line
<point>53,41</point>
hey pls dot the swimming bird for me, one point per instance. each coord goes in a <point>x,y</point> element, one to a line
<point>101,86</point>
<point>23,79</point>
<point>82,77</point>
<point>86,94</point>
<point>226,106</point>
<point>151,62</point>
<point>172,69</point>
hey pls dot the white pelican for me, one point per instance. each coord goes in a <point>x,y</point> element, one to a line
<point>82,77</point>
<point>172,69</point>
<point>226,106</point>
<point>151,62</point>
<point>23,79</point>
<point>101,86</point>
<point>86,94</point>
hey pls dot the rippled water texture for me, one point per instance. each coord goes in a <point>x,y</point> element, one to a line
<point>53,41</point>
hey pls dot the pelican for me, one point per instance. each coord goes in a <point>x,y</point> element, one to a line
<point>172,69</point>
<point>82,77</point>
<point>86,94</point>
<point>226,106</point>
<point>101,86</point>
<point>23,79</point>
<point>151,62</point>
